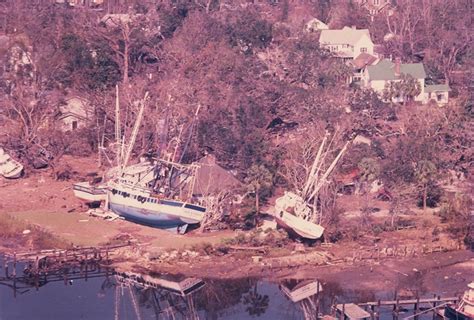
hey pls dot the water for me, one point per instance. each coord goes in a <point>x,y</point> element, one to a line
<point>67,294</point>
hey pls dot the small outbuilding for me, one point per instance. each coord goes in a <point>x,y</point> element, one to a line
<point>74,113</point>
<point>314,25</point>
<point>438,93</point>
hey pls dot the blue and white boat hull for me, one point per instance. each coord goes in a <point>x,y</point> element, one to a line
<point>161,213</point>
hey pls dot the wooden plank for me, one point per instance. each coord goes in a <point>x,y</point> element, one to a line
<point>409,301</point>
<point>353,311</point>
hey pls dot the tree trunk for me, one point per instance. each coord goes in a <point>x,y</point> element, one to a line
<point>425,196</point>
<point>257,200</point>
<point>126,39</point>
<point>125,65</point>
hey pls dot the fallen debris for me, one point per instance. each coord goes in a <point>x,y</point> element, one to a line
<point>105,214</point>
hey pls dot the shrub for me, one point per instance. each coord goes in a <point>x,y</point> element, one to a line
<point>456,213</point>
<point>433,196</point>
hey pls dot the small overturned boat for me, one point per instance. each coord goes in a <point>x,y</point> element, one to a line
<point>9,168</point>
<point>290,212</point>
<point>464,310</point>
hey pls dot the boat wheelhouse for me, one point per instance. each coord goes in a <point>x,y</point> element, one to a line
<point>158,194</point>
<point>90,193</point>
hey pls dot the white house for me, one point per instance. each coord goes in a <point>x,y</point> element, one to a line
<point>378,75</point>
<point>375,6</point>
<point>74,113</point>
<point>347,43</point>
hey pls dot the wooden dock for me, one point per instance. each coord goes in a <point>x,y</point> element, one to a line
<point>372,309</point>
<point>351,311</point>
<point>41,267</point>
<point>409,301</point>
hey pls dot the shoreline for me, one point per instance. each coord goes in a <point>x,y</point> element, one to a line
<point>54,211</point>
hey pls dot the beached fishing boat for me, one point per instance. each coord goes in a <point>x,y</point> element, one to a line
<point>160,196</point>
<point>290,211</point>
<point>154,192</point>
<point>9,168</point>
<point>298,212</point>
<point>464,310</point>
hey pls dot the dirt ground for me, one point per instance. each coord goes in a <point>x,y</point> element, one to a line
<point>51,204</point>
<point>40,200</point>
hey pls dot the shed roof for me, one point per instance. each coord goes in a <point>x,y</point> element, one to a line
<point>437,88</point>
<point>345,35</point>
<point>384,70</point>
<point>315,24</point>
<point>363,59</point>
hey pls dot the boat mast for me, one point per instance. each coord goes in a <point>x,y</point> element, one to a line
<point>312,177</point>
<point>191,129</point>
<point>178,142</point>
<point>136,127</point>
<point>118,139</point>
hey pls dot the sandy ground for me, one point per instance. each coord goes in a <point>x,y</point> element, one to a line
<point>41,200</point>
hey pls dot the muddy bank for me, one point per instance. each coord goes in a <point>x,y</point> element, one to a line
<point>385,259</point>
<point>445,273</point>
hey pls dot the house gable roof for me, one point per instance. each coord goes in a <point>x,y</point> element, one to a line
<point>416,70</point>
<point>384,70</point>
<point>345,35</point>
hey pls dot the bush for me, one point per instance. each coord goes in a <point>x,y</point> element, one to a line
<point>434,196</point>
<point>456,213</point>
<point>334,236</point>
<point>455,209</point>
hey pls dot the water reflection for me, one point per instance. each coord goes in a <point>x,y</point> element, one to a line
<point>305,294</point>
<point>93,291</point>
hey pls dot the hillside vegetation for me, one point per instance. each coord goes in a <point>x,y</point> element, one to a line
<point>267,93</point>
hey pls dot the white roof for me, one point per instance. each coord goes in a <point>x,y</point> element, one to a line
<point>315,24</point>
<point>345,35</point>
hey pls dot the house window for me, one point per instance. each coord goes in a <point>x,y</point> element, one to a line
<point>439,96</point>
<point>363,49</point>
<point>74,125</point>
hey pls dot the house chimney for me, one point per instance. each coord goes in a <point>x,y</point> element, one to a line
<point>396,70</point>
